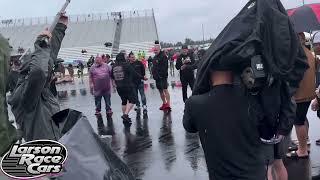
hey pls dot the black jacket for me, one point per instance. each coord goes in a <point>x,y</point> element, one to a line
<point>123,74</point>
<point>188,72</point>
<point>230,140</point>
<point>32,101</point>
<point>139,71</point>
<point>160,66</point>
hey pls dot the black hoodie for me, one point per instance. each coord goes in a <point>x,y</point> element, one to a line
<point>160,66</point>
<point>122,72</point>
<point>188,72</point>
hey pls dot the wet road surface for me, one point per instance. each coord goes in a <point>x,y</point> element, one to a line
<point>157,147</point>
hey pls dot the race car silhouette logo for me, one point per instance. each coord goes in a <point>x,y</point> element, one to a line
<point>34,159</point>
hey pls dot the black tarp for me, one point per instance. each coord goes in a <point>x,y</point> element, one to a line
<point>261,28</point>
<point>89,157</point>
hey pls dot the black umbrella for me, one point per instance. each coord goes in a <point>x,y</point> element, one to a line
<point>305,18</point>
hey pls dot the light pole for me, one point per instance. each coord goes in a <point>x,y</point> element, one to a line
<point>303,2</point>
<point>202,34</point>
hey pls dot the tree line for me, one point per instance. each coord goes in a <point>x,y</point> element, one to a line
<point>187,42</point>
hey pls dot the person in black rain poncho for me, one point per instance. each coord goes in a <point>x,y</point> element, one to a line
<point>185,64</point>
<point>32,101</point>
<point>122,74</point>
<point>243,92</point>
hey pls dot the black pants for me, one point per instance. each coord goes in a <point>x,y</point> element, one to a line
<point>185,82</point>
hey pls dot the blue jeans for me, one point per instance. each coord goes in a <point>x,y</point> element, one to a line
<point>107,100</point>
<point>139,88</point>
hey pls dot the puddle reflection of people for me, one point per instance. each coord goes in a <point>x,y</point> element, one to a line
<point>192,150</point>
<point>142,129</point>
<point>100,125</point>
<point>138,147</point>
<point>166,142</point>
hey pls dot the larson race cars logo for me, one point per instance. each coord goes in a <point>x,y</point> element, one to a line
<point>34,159</point>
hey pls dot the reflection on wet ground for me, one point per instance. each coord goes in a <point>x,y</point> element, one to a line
<point>156,146</point>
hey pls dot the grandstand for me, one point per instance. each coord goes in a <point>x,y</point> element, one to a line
<point>131,31</point>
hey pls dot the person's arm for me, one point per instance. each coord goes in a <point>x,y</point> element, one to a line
<point>192,64</point>
<point>143,70</point>
<point>56,40</point>
<point>287,110</point>
<point>165,66</point>
<point>179,63</point>
<point>38,74</point>
<point>112,75</point>
<point>188,121</point>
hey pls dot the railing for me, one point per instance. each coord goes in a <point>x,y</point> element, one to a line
<point>75,18</point>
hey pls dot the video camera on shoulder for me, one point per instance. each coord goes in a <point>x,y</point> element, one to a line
<point>255,76</point>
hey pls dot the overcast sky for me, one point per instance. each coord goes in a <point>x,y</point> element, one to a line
<point>176,19</point>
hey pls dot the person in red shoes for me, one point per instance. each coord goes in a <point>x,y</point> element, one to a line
<point>160,75</point>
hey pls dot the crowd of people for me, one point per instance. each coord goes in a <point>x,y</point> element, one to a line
<point>127,75</point>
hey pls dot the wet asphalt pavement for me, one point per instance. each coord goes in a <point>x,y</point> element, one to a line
<point>156,146</point>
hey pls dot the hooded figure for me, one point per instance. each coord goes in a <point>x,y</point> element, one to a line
<point>123,74</point>
<point>262,30</point>
<point>33,103</point>
<point>8,134</point>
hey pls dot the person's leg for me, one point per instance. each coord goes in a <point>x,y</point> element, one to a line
<point>184,89</point>
<point>142,94</point>
<point>302,135</point>
<point>161,91</point>
<point>270,170</point>
<point>166,92</point>
<point>97,100</point>
<point>123,99</point>
<point>124,108</point>
<point>307,126</point>
<point>280,170</point>
<point>191,83</point>
<point>167,97</point>
<point>163,96</point>
<point>131,100</point>
<point>301,128</point>
<point>107,100</point>
<point>128,108</point>
<point>136,93</point>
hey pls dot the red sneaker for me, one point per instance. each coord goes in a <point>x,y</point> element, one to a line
<point>97,113</point>
<point>162,107</point>
<point>109,113</point>
<point>167,107</point>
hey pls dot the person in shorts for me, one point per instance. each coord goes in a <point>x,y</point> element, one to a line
<point>303,97</point>
<point>160,75</point>
<point>122,74</point>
